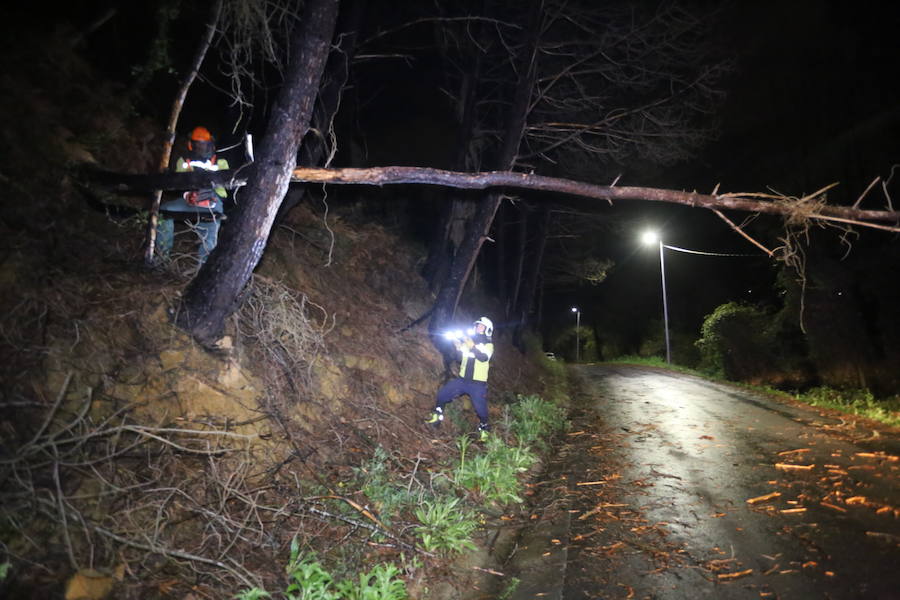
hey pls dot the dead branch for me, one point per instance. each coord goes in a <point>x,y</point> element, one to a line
<point>744,234</point>
<point>324,513</point>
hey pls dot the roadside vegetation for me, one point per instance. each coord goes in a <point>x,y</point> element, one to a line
<point>814,358</point>
<point>447,511</point>
<point>859,402</point>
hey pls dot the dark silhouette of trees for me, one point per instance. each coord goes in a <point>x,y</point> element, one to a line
<point>573,88</point>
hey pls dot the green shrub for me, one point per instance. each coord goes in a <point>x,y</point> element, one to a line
<point>446,526</point>
<point>494,472</point>
<point>855,401</point>
<point>310,581</point>
<point>253,594</point>
<point>534,420</point>
<point>378,584</point>
<point>386,496</point>
<point>736,343</point>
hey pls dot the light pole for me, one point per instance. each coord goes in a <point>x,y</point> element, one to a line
<point>577,328</point>
<point>649,238</point>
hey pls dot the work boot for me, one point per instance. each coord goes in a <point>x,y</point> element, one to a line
<point>484,431</point>
<point>437,415</point>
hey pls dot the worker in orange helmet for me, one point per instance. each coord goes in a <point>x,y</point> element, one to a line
<point>201,208</point>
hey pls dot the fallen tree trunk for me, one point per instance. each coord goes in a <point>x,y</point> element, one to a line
<point>747,202</point>
<point>811,206</point>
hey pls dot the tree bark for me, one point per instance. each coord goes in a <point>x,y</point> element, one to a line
<point>477,229</point>
<point>334,79</point>
<point>213,295</point>
<point>521,251</point>
<point>446,239</point>
<point>380,176</point>
<point>531,279</point>
<point>740,201</point>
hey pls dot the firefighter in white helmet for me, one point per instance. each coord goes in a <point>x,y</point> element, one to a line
<point>475,349</point>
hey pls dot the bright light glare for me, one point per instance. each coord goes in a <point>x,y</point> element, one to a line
<point>649,237</point>
<point>575,309</point>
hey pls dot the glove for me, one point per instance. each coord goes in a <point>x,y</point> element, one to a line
<point>470,344</point>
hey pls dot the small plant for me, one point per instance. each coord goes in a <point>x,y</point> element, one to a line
<point>309,580</point>
<point>535,419</point>
<point>378,584</point>
<point>855,401</point>
<point>493,473</point>
<point>509,588</point>
<point>446,526</point>
<point>253,594</point>
<point>386,496</point>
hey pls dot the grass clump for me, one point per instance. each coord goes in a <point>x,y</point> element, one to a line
<point>855,401</point>
<point>534,420</point>
<point>309,580</point>
<point>493,473</point>
<point>446,526</point>
<point>386,495</point>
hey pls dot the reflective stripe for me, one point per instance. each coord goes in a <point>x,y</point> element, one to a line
<point>472,368</point>
<point>182,166</point>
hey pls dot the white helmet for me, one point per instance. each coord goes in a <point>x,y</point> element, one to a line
<point>488,325</point>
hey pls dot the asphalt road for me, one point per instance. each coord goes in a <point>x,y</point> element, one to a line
<point>676,487</point>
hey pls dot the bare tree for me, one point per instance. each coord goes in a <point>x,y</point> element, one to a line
<point>595,86</point>
<point>478,227</point>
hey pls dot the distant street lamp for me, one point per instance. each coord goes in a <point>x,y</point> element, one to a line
<point>649,238</point>
<point>577,328</point>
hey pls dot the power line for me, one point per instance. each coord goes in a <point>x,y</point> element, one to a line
<point>707,253</point>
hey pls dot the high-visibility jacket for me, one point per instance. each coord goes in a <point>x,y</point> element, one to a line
<point>476,360</point>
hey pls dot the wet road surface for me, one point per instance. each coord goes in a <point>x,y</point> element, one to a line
<point>671,486</point>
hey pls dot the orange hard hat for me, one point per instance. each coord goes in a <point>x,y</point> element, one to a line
<point>201,134</point>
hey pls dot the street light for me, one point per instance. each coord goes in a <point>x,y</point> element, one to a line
<point>649,238</point>
<point>577,327</point>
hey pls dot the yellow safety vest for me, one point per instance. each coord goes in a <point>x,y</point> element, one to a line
<point>472,368</point>
<point>183,165</point>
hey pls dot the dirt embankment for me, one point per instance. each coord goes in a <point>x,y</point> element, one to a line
<point>132,456</point>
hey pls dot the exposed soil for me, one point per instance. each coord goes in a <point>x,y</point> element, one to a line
<point>136,461</point>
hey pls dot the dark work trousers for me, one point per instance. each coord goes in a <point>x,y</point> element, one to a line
<point>477,391</point>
